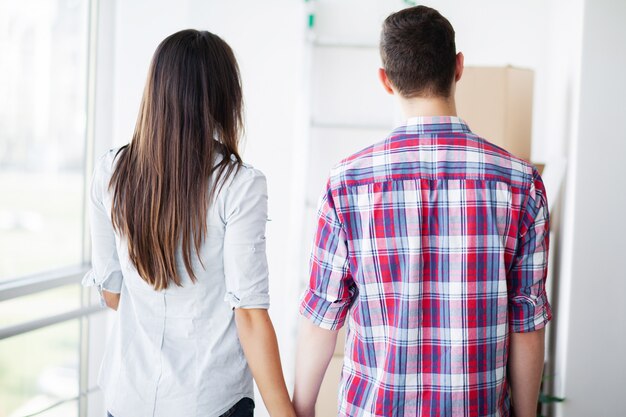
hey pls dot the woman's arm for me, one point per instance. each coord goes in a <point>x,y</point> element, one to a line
<point>106,271</point>
<point>258,340</point>
<point>111,299</point>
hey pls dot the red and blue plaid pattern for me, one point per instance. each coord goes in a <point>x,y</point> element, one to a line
<point>433,244</point>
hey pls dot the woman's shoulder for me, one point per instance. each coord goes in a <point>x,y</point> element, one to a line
<point>106,163</point>
<point>103,169</point>
<point>245,172</point>
<point>246,179</point>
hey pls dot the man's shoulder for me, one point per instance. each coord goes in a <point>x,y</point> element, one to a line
<point>501,165</point>
<point>411,155</point>
<point>358,167</point>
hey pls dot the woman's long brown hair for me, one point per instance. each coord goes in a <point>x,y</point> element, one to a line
<point>165,179</point>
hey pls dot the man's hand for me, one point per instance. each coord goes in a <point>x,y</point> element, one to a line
<point>315,349</point>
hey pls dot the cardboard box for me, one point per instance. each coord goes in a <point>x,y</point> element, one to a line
<point>496,102</point>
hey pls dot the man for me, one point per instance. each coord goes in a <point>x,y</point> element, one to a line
<point>432,244</point>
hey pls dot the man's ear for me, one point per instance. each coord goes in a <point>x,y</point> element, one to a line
<point>458,72</point>
<point>384,80</point>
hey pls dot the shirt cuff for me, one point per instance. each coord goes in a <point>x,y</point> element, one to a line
<point>111,283</point>
<point>527,314</point>
<point>248,301</point>
<point>323,313</point>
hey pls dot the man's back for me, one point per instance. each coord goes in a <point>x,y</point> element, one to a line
<point>433,243</point>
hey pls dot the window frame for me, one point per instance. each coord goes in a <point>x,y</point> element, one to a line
<point>98,104</point>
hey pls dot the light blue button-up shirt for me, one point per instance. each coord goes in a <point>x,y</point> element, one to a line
<point>176,352</point>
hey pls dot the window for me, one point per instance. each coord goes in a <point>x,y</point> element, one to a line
<point>39,369</point>
<point>44,70</point>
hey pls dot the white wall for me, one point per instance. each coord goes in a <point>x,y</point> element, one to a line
<point>595,368</point>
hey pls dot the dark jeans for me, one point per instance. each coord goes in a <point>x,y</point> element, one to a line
<point>244,408</point>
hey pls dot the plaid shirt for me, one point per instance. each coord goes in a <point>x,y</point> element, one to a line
<point>433,244</point>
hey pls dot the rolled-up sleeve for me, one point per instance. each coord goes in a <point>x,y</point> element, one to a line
<point>245,261</point>
<point>105,273</point>
<point>529,308</point>
<point>331,288</point>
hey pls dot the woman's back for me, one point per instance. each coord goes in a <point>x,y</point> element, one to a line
<point>176,351</point>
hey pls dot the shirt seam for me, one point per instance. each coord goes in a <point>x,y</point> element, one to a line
<point>523,188</point>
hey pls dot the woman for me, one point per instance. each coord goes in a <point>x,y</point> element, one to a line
<point>178,224</point>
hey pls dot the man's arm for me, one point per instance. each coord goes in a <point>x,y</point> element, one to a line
<point>525,368</point>
<point>324,304</point>
<point>315,349</point>
<point>259,344</point>
<point>529,309</point>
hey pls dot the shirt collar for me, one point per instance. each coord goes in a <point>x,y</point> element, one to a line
<point>433,124</point>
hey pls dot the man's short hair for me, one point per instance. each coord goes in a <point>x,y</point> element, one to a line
<point>418,52</point>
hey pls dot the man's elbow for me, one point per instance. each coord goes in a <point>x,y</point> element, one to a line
<point>532,337</point>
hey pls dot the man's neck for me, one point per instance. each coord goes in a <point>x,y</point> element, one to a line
<point>431,106</point>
